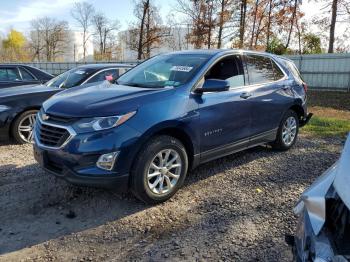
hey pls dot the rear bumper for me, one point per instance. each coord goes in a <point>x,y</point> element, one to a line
<point>305,119</point>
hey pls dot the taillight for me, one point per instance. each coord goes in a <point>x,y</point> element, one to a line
<point>305,87</point>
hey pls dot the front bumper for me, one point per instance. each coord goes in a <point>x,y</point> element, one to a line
<point>323,231</point>
<point>75,160</point>
<point>51,162</point>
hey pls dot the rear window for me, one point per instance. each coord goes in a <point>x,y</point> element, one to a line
<point>259,69</point>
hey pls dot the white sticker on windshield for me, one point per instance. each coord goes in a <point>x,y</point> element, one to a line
<point>181,68</point>
<point>79,72</point>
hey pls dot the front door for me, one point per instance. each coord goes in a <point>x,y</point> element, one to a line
<point>224,116</point>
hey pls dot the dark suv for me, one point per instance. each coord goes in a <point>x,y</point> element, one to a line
<point>166,116</point>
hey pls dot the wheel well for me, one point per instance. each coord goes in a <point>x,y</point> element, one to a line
<point>183,137</point>
<point>18,114</point>
<point>298,110</point>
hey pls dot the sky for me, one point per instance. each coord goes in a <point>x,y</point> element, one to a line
<point>17,14</point>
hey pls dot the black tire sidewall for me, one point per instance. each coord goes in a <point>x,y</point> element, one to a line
<point>139,174</point>
<point>14,128</point>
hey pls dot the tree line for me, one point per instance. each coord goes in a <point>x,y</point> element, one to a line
<point>276,26</point>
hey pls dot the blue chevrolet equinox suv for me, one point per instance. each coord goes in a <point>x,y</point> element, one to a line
<point>168,115</point>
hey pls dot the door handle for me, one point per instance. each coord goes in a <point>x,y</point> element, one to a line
<point>285,88</point>
<point>245,95</point>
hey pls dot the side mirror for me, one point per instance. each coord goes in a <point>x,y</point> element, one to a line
<point>213,85</point>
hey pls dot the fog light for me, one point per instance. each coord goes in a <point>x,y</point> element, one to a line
<point>107,161</point>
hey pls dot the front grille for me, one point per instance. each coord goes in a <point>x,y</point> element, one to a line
<point>60,119</point>
<point>51,135</point>
<point>338,223</point>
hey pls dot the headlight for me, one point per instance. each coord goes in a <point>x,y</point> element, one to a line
<point>101,123</point>
<point>4,108</point>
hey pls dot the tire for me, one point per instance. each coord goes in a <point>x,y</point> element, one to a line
<point>281,142</point>
<point>25,119</point>
<point>143,174</point>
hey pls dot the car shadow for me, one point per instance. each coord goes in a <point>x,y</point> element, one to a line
<point>37,207</point>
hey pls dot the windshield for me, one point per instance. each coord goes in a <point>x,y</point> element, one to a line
<point>70,78</point>
<point>164,70</point>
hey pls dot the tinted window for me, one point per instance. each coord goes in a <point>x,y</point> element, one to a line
<point>25,74</point>
<point>229,69</point>
<point>164,70</point>
<point>9,74</point>
<point>259,69</point>
<point>102,75</point>
<point>277,71</point>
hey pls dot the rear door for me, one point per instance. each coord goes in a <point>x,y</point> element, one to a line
<point>224,116</point>
<point>269,94</point>
<point>9,76</point>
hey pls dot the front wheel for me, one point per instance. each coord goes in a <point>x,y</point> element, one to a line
<point>22,127</point>
<point>159,170</point>
<point>287,132</point>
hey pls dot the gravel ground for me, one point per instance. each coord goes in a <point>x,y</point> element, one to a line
<point>237,208</point>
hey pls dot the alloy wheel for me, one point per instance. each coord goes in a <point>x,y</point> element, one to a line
<point>289,131</point>
<point>164,172</point>
<point>25,128</point>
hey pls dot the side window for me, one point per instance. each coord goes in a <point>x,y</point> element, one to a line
<point>259,69</point>
<point>3,74</point>
<point>102,75</point>
<point>277,71</point>
<point>230,69</point>
<point>25,74</point>
<point>9,74</point>
<point>292,67</point>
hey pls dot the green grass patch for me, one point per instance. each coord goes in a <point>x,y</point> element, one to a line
<point>323,126</point>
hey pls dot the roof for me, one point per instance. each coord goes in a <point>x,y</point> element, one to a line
<point>214,52</point>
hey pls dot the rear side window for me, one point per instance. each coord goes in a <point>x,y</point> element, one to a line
<point>259,69</point>
<point>277,71</point>
<point>25,74</point>
<point>295,72</point>
<point>9,74</point>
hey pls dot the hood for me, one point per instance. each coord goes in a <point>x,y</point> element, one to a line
<point>313,200</point>
<point>102,100</point>
<point>25,89</point>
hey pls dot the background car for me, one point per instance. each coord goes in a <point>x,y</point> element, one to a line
<point>18,75</point>
<point>19,105</point>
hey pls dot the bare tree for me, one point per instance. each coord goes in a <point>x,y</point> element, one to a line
<point>200,14</point>
<point>332,26</point>
<point>83,13</point>
<point>147,33</point>
<point>144,5</point>
<point>242,22</point>
<point>50,38</point>
<point>225,14</point>
<point>104,31</point>
<point>292,22</point>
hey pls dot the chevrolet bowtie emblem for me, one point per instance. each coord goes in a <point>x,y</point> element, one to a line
<point>45,117</point>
